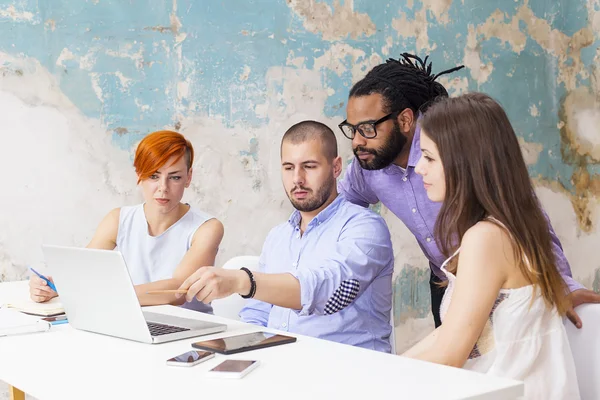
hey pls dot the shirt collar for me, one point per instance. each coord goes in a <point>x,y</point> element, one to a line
<point>321,217</point>
<point>415,148</point>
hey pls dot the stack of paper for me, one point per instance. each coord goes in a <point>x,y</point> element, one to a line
<point>47,309</point>
<point>13,322</point>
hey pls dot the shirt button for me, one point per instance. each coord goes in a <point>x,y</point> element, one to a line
<point>284,325</point>
<point>414,210</point>
<point>405,179</point>
<point>428,239</point>
<point>294,264</point>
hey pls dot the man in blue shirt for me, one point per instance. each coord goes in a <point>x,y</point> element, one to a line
<point>327,271</point>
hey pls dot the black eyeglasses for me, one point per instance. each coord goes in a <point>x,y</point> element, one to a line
<point>365,128</point>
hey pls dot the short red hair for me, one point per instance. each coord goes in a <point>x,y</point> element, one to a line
<point>157,148</point>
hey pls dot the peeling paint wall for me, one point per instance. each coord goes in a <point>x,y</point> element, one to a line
<point>82,82</point>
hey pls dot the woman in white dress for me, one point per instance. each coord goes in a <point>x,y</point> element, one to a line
<point>503,307</point>
<point>162,240</point>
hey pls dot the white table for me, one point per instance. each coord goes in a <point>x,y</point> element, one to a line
<point>69,364</point>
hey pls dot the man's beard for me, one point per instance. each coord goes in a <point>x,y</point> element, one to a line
<point>387,154</point>
<point>317,200</point>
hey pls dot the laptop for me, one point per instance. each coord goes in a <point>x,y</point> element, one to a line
<point>98,296</point>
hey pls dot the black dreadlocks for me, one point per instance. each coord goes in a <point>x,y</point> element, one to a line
<point>403,83</point>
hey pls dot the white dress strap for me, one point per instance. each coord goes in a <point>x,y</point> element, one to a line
<point>443,267</point>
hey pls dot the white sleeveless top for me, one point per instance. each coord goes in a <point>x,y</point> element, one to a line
<point>522,340</point>
<point>152,258</point>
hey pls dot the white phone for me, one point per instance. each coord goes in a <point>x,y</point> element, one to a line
<point>233,368</point>
<point>190,358</point>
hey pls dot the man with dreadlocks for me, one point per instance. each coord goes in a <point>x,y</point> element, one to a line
<point>382,114</point>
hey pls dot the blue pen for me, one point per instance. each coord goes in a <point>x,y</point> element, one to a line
<point>46,279</point>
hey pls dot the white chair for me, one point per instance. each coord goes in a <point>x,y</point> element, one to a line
<point>231,306</point>
<point>585,345</point>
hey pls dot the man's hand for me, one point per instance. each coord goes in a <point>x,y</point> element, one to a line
<point>210,283</point>
<point>579,297</point>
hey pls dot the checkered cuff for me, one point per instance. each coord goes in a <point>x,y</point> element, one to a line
<point>343,296</point>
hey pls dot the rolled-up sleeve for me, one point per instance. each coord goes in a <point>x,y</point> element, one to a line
<point>257,312</point>
<point>355,188</point>
<point>561,260</point>
<point>363,251</point>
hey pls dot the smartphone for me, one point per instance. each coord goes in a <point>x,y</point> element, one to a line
<point>190,358</point>
<point>246,342</point>
<point>233,368</point>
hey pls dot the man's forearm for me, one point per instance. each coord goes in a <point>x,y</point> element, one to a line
<point>281,290</point>
<point>561,260</point>
<point>565,269</point>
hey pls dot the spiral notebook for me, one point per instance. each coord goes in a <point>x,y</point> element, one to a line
<point>13,322</point>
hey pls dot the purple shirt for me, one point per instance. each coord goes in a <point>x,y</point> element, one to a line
<point>403,193</point>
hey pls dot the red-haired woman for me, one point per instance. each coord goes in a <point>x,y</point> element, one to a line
<point>162,240</point>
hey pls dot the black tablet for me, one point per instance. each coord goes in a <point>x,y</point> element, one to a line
<point>241,343</point>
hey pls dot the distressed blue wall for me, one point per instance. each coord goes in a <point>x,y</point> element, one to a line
<point>122,61</point>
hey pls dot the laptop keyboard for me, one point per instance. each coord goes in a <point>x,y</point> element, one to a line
<point>162,329</point>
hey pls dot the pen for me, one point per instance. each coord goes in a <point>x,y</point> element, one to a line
<point>46,279</point>
<point>180,291</point>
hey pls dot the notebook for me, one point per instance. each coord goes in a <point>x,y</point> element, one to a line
<point>13,322</point>
<point>47,309</point>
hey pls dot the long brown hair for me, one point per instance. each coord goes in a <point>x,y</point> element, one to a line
<point>486,175</point>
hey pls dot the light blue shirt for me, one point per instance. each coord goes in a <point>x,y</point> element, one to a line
<point>344,263</point>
